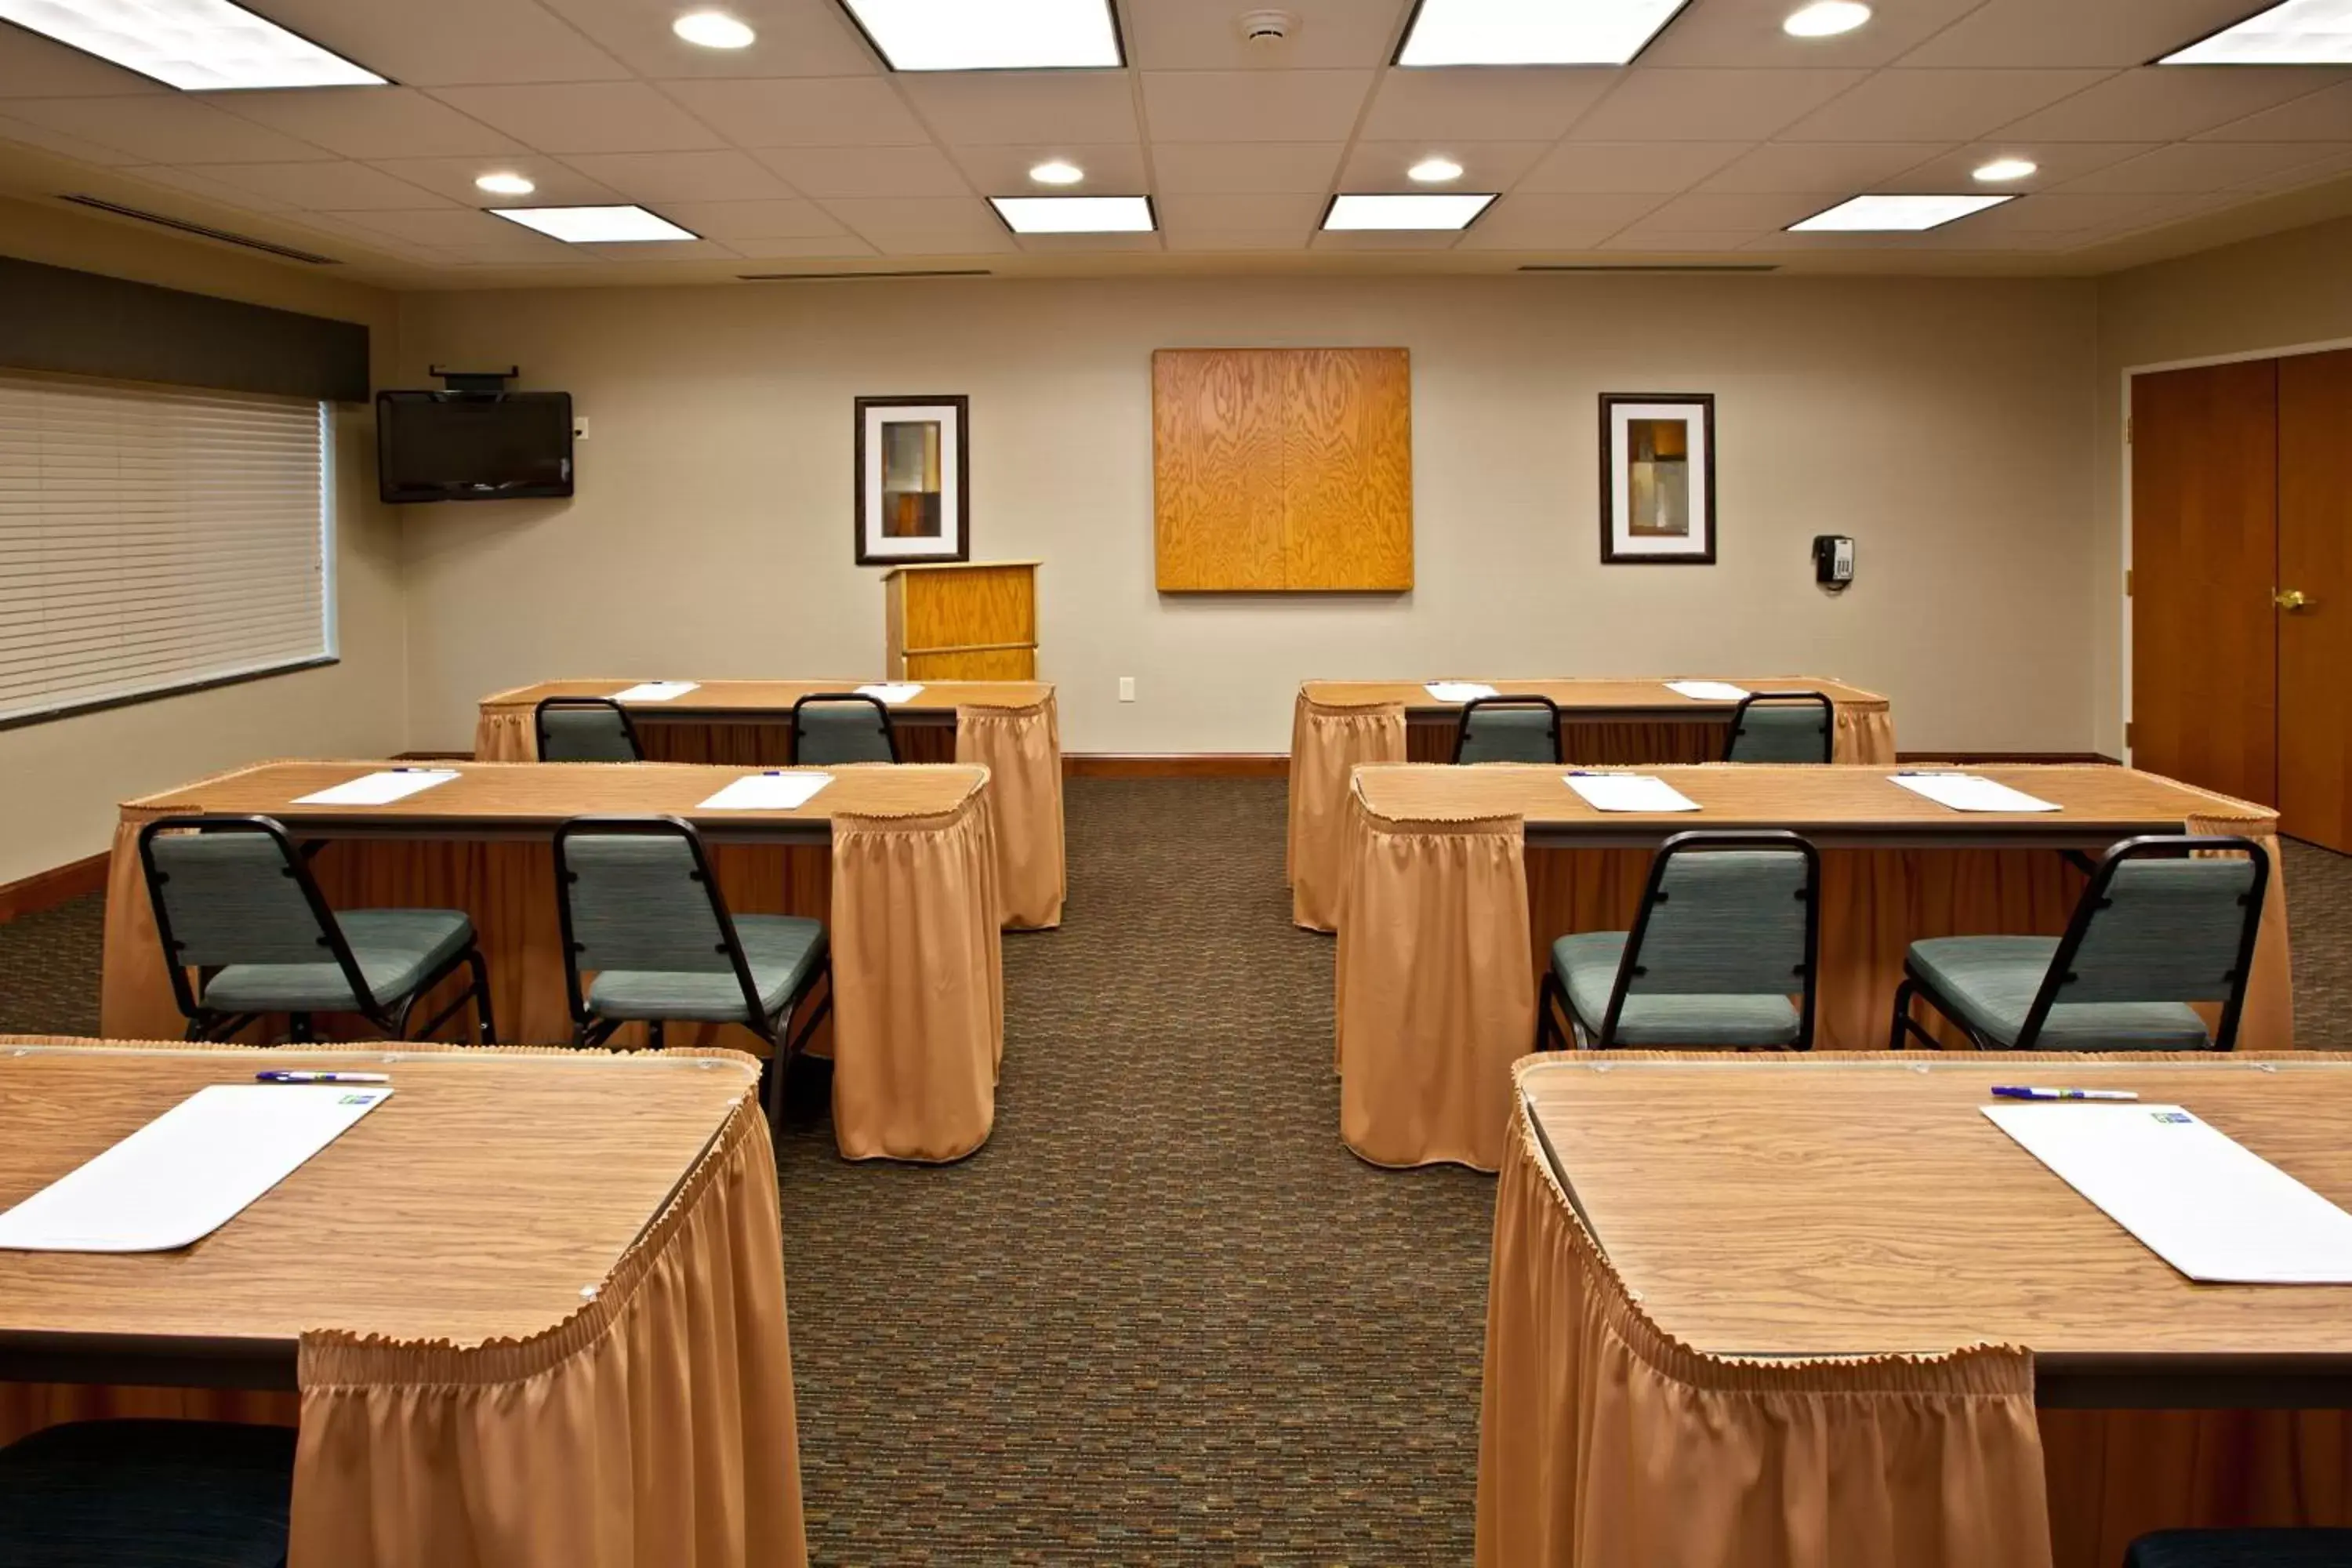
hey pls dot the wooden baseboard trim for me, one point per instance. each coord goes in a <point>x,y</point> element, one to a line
<point>48,889</point>
<point>2015,759</point>
<point>1173,765</point>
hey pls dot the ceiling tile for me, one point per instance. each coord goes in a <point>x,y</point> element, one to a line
<point>1186,35</point>
<point>1683,242</point>
<point>339,186</point>
<point>1253,106</point>
<point>2187,166</point>
<point>753,221</point>
<point>1486,165</point>
<point>1721,212</point>
<point>1244,240</point>
<point>1523,222</point>
<point>883,171</point>
<point>2322,116</point>
<point>924,226</point>
<point>1709,105</point>
<point>2061,212</point>
<point>1821,166</point>
<point>197,183</point>
<point>1936,105</point>
<point>1747,33</point>
<point>2303,174</point>
<point>339,236</point>
<point>1004,171</point>
<point>446,226</point>
<point>980,108</point>
<point>1484,103</point>
<point>33,66</point>
<point>796,38</point>
<point>559,185</point>
<point>586,117</point>
<point>2163,103</point>
<point>1056,243</point>
<point>1295,212</point>
<point>368,122</point>
<point>1606,167</point>
<point>1246,165</point>
<point>58,141</point>
<point>728,176</point>
<point>1380,239</point>
<point>512,253</point>
<point>775,247</point>
<point>2055,163</point>
<point>444,43</point>
<point>163,128</point>
<point>2112,33</point>
<point>658,250</point>
<point>803,112</point>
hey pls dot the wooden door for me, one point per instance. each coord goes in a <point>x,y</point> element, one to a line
<point>2204,467</point>
<point>2315,560</point>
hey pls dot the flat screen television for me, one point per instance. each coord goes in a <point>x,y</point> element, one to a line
<point>473,446</point>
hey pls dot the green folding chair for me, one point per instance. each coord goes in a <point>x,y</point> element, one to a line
<point>147,1494</point>
<point>1783,727</point>
<point>830,727</point>
<point>1509,730</point>
<point>585,729</point>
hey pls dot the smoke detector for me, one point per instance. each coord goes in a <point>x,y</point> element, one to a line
<point>1268,26</point>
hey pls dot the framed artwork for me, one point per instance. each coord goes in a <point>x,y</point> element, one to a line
<point>914,479</point>
<point>1657,477</point>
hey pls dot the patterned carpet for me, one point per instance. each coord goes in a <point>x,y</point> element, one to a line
<point>1163,1317</point>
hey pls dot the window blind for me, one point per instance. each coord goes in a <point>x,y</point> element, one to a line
<point>154,538</point>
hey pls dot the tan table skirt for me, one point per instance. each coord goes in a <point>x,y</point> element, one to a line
<point>917,1027</point>
<point>1602,1441</point>
<point>654,1428</point>
<point>1429,1009</point>
<point>1021,748</point>
<point>1329,740</point>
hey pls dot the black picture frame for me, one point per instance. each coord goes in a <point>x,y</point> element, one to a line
<point>957,505</point>
<point>1611,552</point>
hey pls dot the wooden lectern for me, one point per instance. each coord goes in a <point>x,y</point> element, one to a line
<point>963,621</point>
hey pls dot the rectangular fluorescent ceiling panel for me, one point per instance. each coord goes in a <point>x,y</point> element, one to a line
<point>1533,31</point>
<point>596,225</point>
<point>1894,215</point>
<point>198,46</point>
<point>1434,212</point>
<point>2299,33</point>
<point>990,34</point>
<point>1075,215</point>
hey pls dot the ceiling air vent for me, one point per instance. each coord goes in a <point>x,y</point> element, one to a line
<point>184,227</point>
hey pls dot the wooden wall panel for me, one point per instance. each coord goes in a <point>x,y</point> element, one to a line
<point>1281,470</point>
<point>1347,458</point>
<point>1216,422</point>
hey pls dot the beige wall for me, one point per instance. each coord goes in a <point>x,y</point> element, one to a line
<point>2282,291</point>
<point>64,778</point>
<point>1943,423</point>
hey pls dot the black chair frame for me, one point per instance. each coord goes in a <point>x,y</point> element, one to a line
<point>588,1030</point>
<point>2078,927</point>
<point>1654,893</point>
<point>578,705</point>
<point>211,1024</point>
<point>1784,699</point>
<point>1530,699</point>
<point>889,730</point>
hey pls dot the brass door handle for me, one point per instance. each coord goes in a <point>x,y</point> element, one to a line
<point>2291,601</point>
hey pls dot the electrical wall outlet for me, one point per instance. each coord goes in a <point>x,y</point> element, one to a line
<point>1127,689</point>
<point>579,429</point>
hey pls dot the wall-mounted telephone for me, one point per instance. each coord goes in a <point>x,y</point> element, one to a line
<point>1833,561</point>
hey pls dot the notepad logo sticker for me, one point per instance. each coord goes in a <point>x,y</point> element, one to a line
<point>2180,1115</point>
<point>359,1100</point>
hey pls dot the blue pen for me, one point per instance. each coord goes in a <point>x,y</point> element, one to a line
<point>2026,1091</point>
<point>285,1076</point>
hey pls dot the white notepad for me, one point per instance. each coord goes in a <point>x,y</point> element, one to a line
<point>894,693</point>
<point>768,792</point>
<point>2196,1197</point>
<point>1459,690</point>
<point>187,1173</point>
<point>1966,792</point>
<point>1709,691</point>
<point>1630,791</point>
<point>380,788</point>
<point>656,691</point>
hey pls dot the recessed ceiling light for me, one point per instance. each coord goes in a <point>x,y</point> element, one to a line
<point>1434,171</point>
<point>2001,169</point>
<point>504,185</point>
<point>713,30</point>
<point>2299,33</point>
<point>1373,212</point>
<point>1004,34</point>
<point>1533,31</point>
<point>1826,19</point>
<point>1075,214</point>
<point>1889,215</point>
<point>596,225</point>
<point>1057,171</point>
<point>194,44</point>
